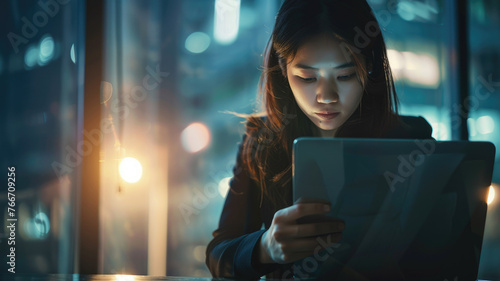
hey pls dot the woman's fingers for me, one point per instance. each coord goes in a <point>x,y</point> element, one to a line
<point>287,240</point>
<point>294,256</point>
<point>291,231</point>
<point>292,213</point>
<point>310,244</point>
<point>296,249</point>
<point>317,229</point>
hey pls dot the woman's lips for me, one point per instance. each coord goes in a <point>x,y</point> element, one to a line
<point>328,116</point>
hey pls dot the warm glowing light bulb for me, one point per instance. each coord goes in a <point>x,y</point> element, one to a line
<point>491,195</point>
<point>130,169</point>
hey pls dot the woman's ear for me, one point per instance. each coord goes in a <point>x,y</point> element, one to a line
<point>369,67</point>
<point>370,63</point>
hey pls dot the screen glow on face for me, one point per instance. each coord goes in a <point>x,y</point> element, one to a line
<point>323,78</point>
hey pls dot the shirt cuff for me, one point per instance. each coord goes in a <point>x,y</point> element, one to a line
<point>247,260</point>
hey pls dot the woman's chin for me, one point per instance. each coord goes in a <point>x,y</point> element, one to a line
<point>327,127</point>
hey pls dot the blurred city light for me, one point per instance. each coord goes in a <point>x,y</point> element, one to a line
<point>412,10</point>
<point>396,61</point>
<point>199,253</point>
<point>197,42</point>
<point>31,56</point>
<point>440,130</point>
<point>471,124</point>
<point>37,227</point>
<point>46,49</point>
<point>421,69</point>
<point>428,73</point>
<point>41,225</point>
<point>491,195</point>
<point>227,17</point>
<point>405,11</point>
<point>130,169</point>
<point>485,124</point>
<point>195,137</point>
<point>224,186</point>
<point>72,53</point>
<point>120,277</point>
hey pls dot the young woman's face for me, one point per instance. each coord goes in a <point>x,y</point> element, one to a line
<point>323,79</point>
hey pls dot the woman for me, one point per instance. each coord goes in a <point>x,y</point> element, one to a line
<point>326,74</point>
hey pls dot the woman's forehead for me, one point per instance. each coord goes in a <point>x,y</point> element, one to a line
<point>322,52</point>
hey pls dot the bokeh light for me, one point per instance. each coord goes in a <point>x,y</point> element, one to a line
<point>396,61</point>
<point>227,20</point>
<point>422,69</point>
<point>31,56</point>
<point>121,277</point>
<point>440,130</point>
<point>485,124</point>
<point>46,49</point>
<point>41,225</point>
<point>471,124</point>
<point>405,10</point>
<point>224,186</point>
<point>197,42</point>
<point>37,227</point>
<point>199,253</point>
<point>72,53</point>
<point>195,137</point>
<point>130,169</point>
<point>491,195</point>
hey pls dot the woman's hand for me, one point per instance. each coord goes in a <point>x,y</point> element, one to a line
<point>287,241</point>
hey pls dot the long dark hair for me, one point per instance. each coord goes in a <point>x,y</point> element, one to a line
<point>268,146</point>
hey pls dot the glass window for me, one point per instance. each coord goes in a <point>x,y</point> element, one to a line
<point>484,114</point>
<point>173,71</point>
<point>41,131</point>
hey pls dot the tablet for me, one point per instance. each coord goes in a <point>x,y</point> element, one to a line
<point>412,208</point>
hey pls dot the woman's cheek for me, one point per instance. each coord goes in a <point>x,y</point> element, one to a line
<point>353,96</point>
<point>303,95</point>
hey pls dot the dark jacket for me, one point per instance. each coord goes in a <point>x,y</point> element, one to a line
<point>242,222</point>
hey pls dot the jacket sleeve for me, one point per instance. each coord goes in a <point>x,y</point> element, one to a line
<point>231,253</point>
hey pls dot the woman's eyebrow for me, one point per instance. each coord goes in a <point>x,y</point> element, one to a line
<point>303,66</point>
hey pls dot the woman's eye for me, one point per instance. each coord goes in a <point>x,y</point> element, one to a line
<point>307,79</point>
<point>346,77</point>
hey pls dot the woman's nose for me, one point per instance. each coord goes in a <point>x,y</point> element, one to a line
<point>327,93</point>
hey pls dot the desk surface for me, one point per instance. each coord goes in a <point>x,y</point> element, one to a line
<point>100,277</point>
<point>104,277</point>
